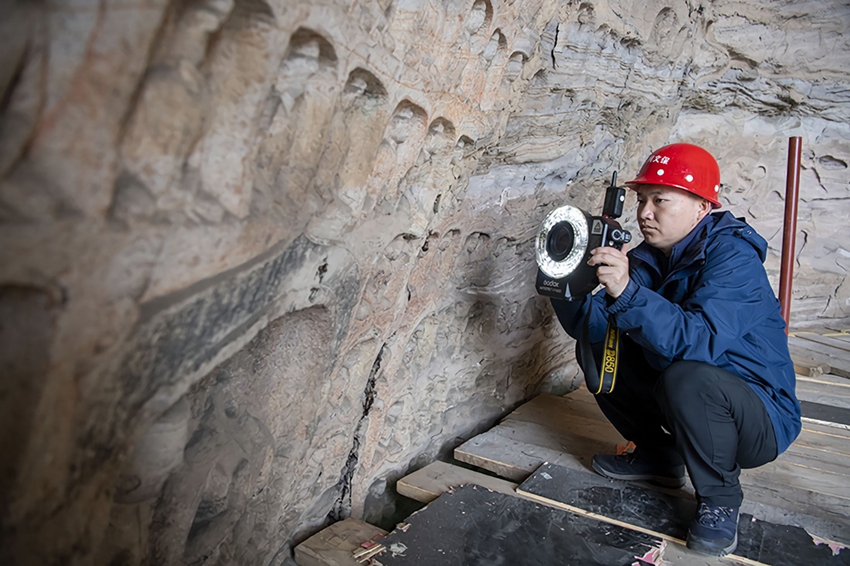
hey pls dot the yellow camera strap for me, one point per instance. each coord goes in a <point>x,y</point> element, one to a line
<point>600,381</point>
<point>610,354</point>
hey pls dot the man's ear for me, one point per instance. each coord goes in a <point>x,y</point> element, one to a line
<point>704,208</point>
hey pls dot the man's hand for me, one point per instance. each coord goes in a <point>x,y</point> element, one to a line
<point>613,270</point>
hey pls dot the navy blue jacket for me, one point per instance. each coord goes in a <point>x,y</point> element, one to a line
<point>713,304</point>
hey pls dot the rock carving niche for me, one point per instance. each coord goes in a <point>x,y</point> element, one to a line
<point>480,46</point>
<point>586,13</point>
<point>423,185</point>
<point>418,31</point>
<point>302,101</point>
<point>513,68</point>
<point>498,43</point>
<point>22,92</point>
<point>261,448</point>
<point>495,56</point>
<point>23,195</point>
<point>405,30</point>
<point>240,70</point>
<point>464,147</point>
<point>385,285</point>
<point>155,456</point>
<point>397,153</point>
<point>667,39</point>
<point>477,24</point>
<point>169,114</point>
<point>540,80</point>
<point>27,325</point>
<point>349,153</point>
<point>372,16</point>
<point>460,167</point>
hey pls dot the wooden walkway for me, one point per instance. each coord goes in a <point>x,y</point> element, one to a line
<point>797,507</point>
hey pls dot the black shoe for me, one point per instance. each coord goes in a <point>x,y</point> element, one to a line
<point>632,467</point>
<point>714,531</point>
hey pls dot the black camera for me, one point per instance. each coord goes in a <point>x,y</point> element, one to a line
<point>564,242</point>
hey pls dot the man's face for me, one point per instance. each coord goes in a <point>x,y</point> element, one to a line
<point>667,215</point>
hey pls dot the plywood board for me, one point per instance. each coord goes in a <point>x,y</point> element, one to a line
<point>428,483</point>
<point>333,545</point>
<point>473,526</point>
<point>668,516</point>
<point>515,458</point>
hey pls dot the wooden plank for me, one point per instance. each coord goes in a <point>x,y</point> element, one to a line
<point>818,348</point>
<point>824,395</point>
<point>827,423</point>
<point>475,526</point>
<point>825,379</point>
<point>582,393</point>
<point>514,449</point>
<point>544,408</point>
<point>803,478</point>
<point>809,367</point>
<point>558,429</point>
<point>821,506</point>
<point>838,360</point>
<point>819,460</point>
<point>668,516</point>
<point>786,484</point>
<point>823,438</point>
<point>825,390</point>
<point>831,341</point>
<point>516,459</point>
<point>561,428</point>
<point>333,545</point>
<point>834,414</point>
<point>428,483</point>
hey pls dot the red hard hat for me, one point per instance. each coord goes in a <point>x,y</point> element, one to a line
<point>682,166</point>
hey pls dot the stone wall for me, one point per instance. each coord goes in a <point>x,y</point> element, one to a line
<point>261,258</point>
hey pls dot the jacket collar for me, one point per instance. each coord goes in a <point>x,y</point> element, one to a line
<point>689,251</point>
<point>689,254</point>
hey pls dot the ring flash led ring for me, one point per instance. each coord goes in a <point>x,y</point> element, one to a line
<point>576,218</point>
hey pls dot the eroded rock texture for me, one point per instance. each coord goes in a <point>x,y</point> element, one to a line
<point>261,258</point>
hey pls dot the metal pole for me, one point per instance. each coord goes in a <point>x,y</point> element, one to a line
<point>789,232</point>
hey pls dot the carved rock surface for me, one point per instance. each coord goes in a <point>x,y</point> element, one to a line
<point>259,259</point>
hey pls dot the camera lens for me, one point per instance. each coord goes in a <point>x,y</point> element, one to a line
<point>560,241</point>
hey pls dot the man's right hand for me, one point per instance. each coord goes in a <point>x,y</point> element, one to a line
<point>612,268</point>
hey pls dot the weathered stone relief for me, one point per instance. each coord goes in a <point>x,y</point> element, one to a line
<point>91,75</point>
<point>353,143</point>
<point>169,116</point>
<point>403,138</point>
<point>22,86</point>
<point>26,331</point>
<point>241,69</point>
<point>496,59</point>
<point>268,257</point>
<point>301,108</point>
<point>423,185</point>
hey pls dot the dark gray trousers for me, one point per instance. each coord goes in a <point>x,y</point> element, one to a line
<point>714,421</point>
